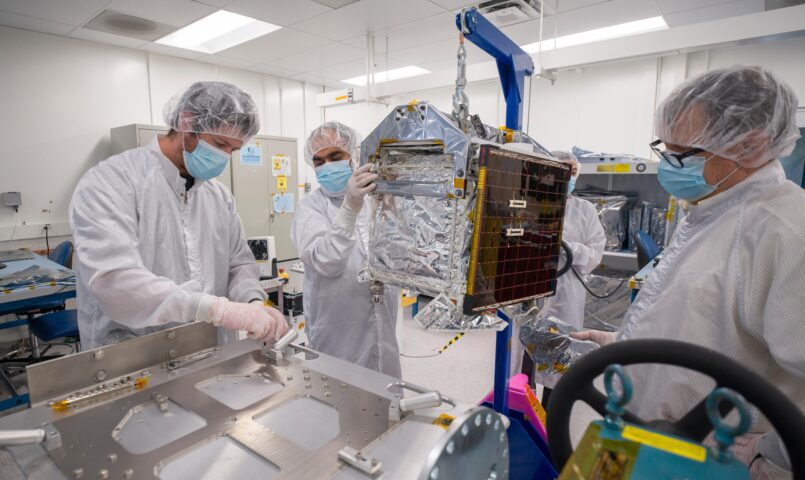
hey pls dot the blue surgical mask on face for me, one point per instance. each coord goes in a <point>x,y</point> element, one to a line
<point>688,182</point>
<point>333,176</point>
<point>206,161</point>
<point>571,185</point>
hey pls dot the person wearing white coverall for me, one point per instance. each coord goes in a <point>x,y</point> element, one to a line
<point>732,279</point>
<point>584,234</point>
<point>330,232</point>
<point>158,240</point>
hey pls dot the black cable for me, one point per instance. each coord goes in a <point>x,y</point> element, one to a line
<point>613,292</point>
<point>569,266</point>
<point>47,239</point>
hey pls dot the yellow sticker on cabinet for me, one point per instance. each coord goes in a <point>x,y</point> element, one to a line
<point>281,165</point>
<point>665,443</point>
<point>282,184</point>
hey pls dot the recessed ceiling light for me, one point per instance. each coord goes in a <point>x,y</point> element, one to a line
<point>218,31</point>
<point>614,31</point>
<point>388,75</point>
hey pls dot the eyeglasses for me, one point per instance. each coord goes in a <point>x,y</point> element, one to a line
<point>675,159</point>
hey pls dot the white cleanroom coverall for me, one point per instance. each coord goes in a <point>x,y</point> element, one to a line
<point>732,279</point>
<point>340,317</point>
<point>147,250</point>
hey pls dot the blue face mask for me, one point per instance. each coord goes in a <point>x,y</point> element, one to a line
<point>333,176</point>
<point>688,182</point>
<point>206,161</point>
<point>571,185</point>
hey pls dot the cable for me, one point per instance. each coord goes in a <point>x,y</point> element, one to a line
<point>47,239</point>
<point>569,266</point>
<point>441,350</point>
<point>615,290</point>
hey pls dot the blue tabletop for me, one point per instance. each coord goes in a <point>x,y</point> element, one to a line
<point>38,281</point>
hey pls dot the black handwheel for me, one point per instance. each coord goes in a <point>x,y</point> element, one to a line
<point>577,384</point>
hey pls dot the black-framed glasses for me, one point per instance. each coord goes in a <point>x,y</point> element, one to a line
<point>675,159</point>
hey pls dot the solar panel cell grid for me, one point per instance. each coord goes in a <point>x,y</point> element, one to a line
<point>517,231</point>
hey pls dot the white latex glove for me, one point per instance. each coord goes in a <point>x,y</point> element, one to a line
<point>360,183</point>
<point>265,324</point>
<point>598,336</point>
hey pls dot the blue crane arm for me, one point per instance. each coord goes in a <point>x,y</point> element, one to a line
<point>513,63</point>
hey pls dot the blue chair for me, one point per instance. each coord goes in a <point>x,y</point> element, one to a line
<point>63,254</point>
<point>53,325</point>
<point>647,249</point>
<point>57,322</point>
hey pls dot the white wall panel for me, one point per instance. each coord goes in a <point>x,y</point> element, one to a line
<point>63,95</point>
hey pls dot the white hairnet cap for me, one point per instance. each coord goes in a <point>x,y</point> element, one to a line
<point>565,157</point>
<point>217,108</point>
<point>746,114</point>
<point>333,134</point>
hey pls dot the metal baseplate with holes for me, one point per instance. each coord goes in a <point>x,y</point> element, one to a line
<point>175,405</point>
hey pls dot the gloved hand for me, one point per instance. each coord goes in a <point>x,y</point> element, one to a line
<point>262,323</point>
<point>360,183</point>
<point>598,336</point>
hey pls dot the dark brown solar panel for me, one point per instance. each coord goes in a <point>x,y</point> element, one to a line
<point>517,229</point>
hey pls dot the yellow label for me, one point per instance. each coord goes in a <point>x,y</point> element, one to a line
<point>632,283</point>
<point>341,97</point>
<point>623,168</point>
<point>535,405</point>
<point>444,420</point>
<point>458,183</point>
<point>659,441</point>
<point>605,168</point>
<point>282,183</point>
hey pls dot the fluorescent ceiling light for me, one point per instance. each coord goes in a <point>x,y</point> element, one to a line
<point>614,31</point>
<point>218,31</point>
<point>388,75</point>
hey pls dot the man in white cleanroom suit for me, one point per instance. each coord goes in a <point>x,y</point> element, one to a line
<point>733,276</point>
<point>158,240</point>
<point>330,233</point>
<point>584,234</point>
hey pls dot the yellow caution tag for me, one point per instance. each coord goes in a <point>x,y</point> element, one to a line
<point>623,168</point>
<point>659,441</point>
<point>444,420</point>
<point>282,184</point>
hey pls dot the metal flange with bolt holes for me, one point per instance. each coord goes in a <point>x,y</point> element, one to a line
<point>476,447</point>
